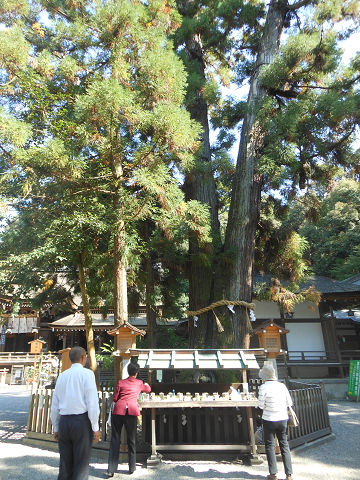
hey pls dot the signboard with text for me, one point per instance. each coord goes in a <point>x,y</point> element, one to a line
<point>36,346</point>
<point>354,380</point>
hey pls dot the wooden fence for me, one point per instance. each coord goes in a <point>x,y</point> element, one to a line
<point>39,424</point>
<point>309,403</point>
<point>311,407</point>
<point>16,358</point>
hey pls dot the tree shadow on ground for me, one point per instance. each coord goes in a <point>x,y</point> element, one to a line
<point>29,467</point>
<point>188,471</point>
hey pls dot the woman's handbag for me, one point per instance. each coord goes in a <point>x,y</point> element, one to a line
<point>110,413</point>
<point>293,419</point>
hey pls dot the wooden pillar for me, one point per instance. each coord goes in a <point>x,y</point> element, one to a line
<point>154,460</point>
<point>65,360</point>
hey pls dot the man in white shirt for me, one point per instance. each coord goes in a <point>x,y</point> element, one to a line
<point>75,417</point>
<point>274,400</point>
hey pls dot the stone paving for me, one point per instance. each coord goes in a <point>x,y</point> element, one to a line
<point>336,459</point>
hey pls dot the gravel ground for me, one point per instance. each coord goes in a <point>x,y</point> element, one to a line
<point>337,459</point>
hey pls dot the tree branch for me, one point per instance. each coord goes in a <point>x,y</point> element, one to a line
<point>297,5</point>
<point>94,189</point>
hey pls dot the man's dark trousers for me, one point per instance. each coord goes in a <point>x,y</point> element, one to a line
<point>75,440</point>
<point>117,422</point>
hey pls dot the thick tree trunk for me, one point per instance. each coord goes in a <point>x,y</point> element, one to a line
<point>120,277</point>
<point>88,321</point>
<point>200,185</point>
<point>120,274</point>
<point>244,207</point>
<point>151,308</point>
<point>120,291</point>
<point>151,312</point>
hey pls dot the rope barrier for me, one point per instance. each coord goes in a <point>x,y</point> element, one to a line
<point>220,303</point>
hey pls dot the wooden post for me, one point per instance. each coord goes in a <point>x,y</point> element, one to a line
<point>36,347</point>
<point>40,366</point>
<point>33,378</point>
<point>65,360</point>
<point>154,460</point>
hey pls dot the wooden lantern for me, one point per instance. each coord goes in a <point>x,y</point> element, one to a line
<point>65,360</point>
<point>269,338</point>
<point>125,338</point>
<point>36,346</point>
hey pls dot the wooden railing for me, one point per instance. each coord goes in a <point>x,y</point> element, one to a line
<point>314,356</point>
<point>347,355</point>
<point>310,356</point>
<point>311,407</point>
<point>309,403</point>
<point>23,358</point>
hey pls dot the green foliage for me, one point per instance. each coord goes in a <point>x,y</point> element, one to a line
<point>166,338</point>
<point>286,298</point>
<point>107,360</point>
<point>96,133</point>
<point>335,235</point>
<point>279,249</point>
<point>93,133</point>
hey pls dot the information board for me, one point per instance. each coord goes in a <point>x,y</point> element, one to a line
<point>354,380</point>
<point>36,346</point>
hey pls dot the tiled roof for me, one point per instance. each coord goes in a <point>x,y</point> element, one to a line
<point>77,321</point>
<point>344,315</point>
<point>271,323</point>
<point>321,283</point>
<point>129,326</point>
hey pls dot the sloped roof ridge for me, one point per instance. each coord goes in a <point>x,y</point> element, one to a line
<point>322,283</point>
<point>351,279</point>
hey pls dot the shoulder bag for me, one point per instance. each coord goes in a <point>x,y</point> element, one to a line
<point>293,419</point>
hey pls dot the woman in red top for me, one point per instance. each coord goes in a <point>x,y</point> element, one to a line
<point>125,412</point>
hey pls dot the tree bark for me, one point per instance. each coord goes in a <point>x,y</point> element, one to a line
<point>120,264</point>
<point>88,321</point>
<point>151,309</point>
<point>245,199</point>
<point>200,185</point>
<point>120,286</point>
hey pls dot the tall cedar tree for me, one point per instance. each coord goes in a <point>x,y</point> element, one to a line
<point>299,120</point>
<point>92,100</point>
<point>206,46</point>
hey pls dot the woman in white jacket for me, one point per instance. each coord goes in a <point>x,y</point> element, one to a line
<point>274,400</point>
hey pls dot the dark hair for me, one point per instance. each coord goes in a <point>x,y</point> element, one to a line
<point>133,369</point>
<point>76,353</point>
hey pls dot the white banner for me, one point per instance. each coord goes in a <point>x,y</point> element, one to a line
<point>22,324</point>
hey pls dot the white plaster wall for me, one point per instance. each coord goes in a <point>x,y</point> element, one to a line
<point>304,337</point>
<point>266,310</point>
<point>306,310</point>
